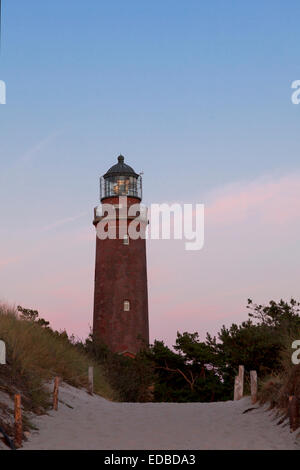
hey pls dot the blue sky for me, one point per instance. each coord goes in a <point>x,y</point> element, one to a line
<point>196,94</point>
<point>194,89</point>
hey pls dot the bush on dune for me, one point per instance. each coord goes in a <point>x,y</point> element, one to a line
<point>36,354</point>
<point>277,388</point>
<point>131,379</point>
<point>195,370</point>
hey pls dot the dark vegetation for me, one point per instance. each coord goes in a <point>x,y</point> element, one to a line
<point>35,355</point>
<point>193,370</point>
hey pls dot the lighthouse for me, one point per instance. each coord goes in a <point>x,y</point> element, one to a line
<point>121,293</point>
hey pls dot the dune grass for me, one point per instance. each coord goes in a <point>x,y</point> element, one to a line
<point>276,389</point>
<point>35,355</point>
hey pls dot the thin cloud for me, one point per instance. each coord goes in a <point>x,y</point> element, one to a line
<point>272,201</point>
<point>62,222</point>
<point>30,154</point>
<point>10,260</point>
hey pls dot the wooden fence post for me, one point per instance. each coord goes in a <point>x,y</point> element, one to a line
<point>253,384</point>
<point>241,376</point>
<point>18,421</point>
<point>293,412</point>
<point>237,388</point>
<point>55,393</point>
<point>91,380</point>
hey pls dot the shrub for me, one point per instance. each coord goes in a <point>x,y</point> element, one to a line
<point>36,353</point>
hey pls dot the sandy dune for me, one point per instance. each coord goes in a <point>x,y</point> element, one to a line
<point>95,423</point>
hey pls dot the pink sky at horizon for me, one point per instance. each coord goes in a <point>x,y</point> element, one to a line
<point>250,250</point>
<point>198,97</point>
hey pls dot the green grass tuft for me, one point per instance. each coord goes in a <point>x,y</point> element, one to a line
<point>36,354</point>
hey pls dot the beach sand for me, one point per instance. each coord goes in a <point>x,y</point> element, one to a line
<point>91,422</point>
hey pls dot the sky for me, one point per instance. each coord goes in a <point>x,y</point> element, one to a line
<point>195,94</point>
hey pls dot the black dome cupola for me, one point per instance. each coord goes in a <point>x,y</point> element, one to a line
<point>120,169</point>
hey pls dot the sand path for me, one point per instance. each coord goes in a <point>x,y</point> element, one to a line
<point>95,423</point>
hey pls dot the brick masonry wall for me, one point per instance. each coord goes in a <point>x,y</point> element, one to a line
<point>121,274</point>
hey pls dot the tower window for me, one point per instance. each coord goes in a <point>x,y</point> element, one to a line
<point>126,306</point>
<point>126,240</point>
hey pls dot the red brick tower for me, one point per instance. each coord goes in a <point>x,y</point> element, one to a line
<point>121,294</point>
